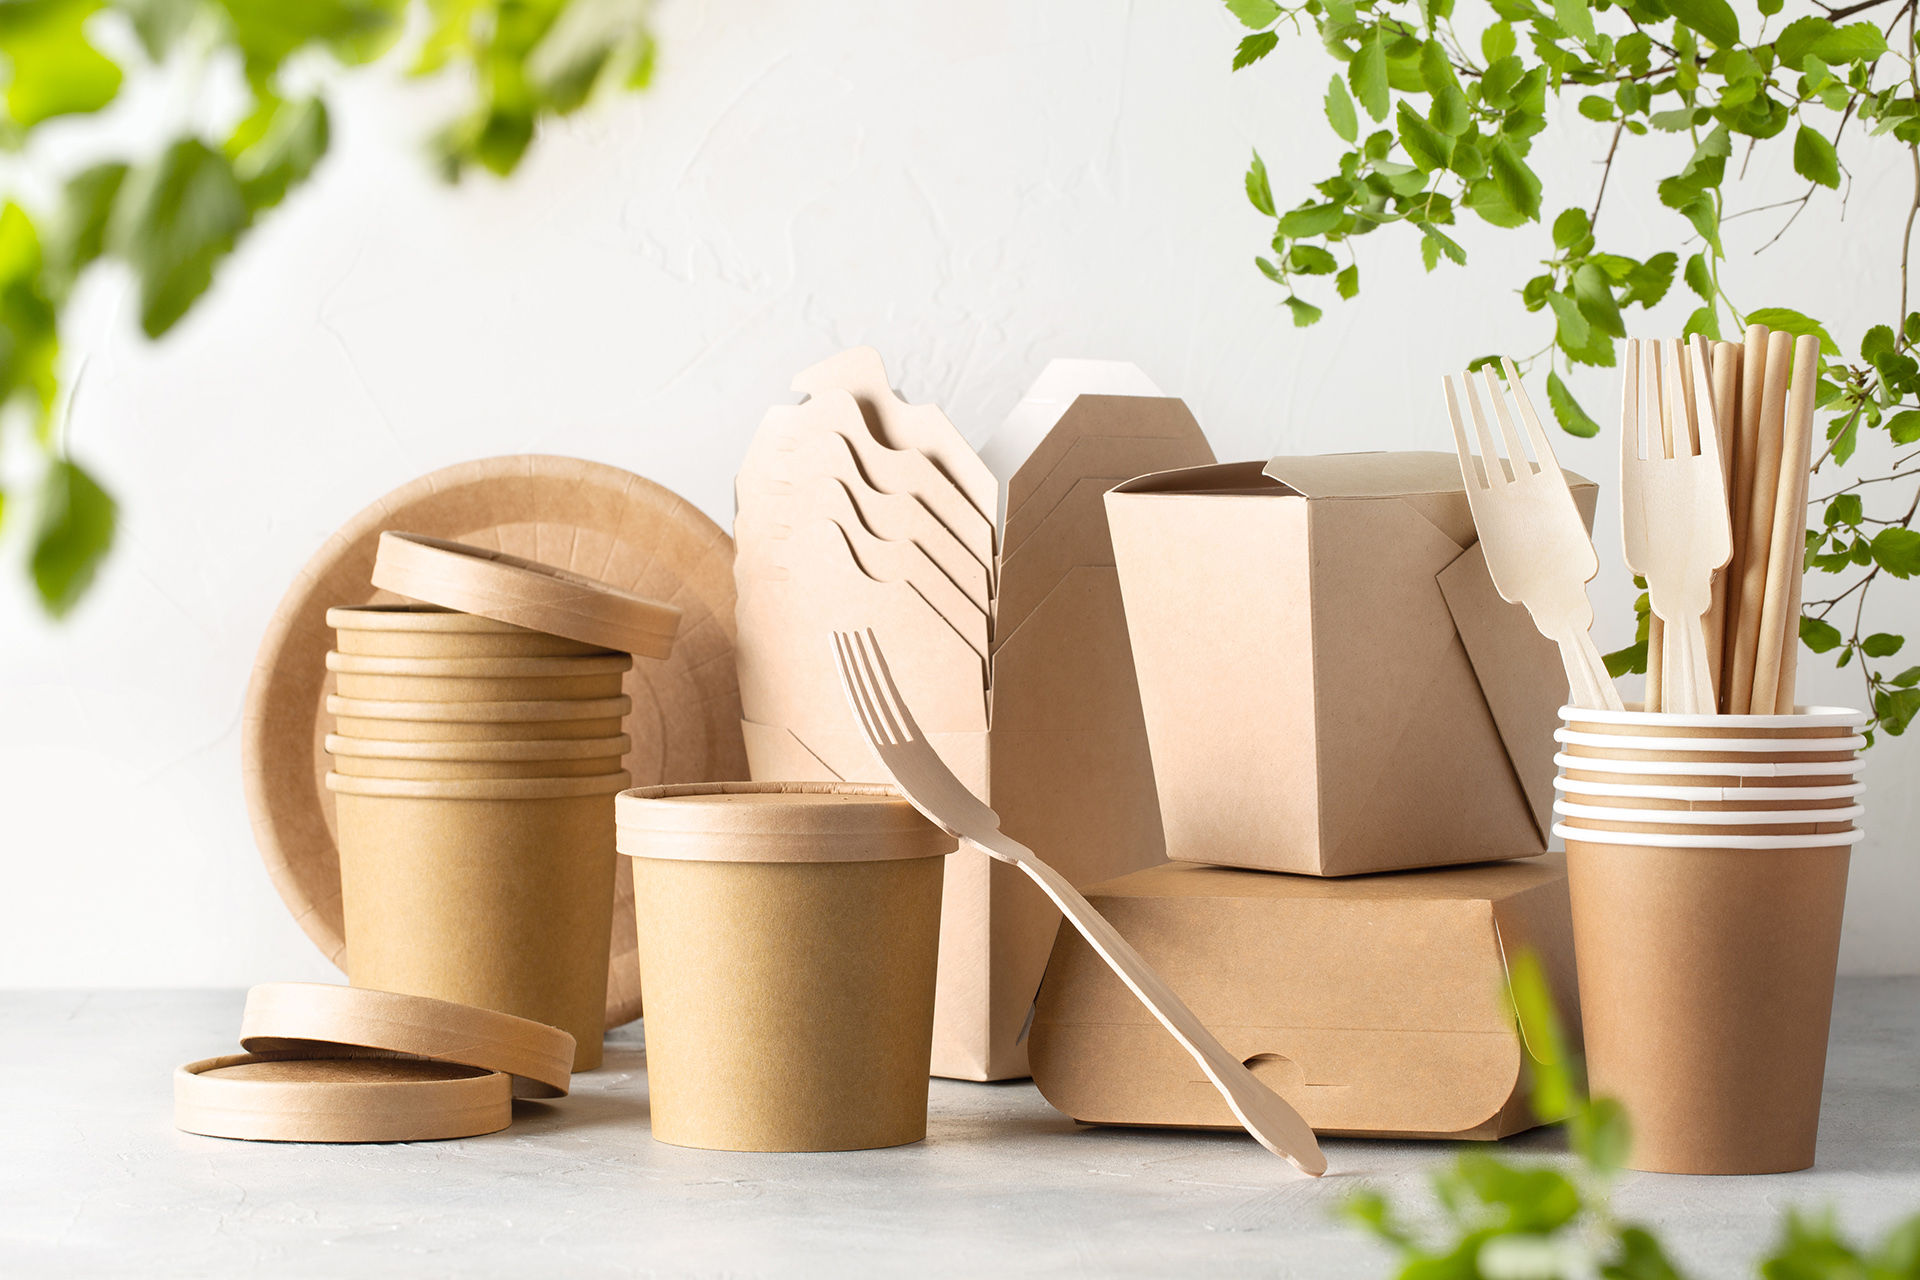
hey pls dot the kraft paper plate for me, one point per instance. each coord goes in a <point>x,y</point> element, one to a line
<point>585,517</point>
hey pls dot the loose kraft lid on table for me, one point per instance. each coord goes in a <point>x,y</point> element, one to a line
<point>508,588</point>
<point>305,1016</point>
<point>349,1096</point>
<point>775,822</point>
<point>600,521</point>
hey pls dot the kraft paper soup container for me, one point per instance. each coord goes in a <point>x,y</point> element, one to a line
<point>478,721</point>
<point>788,937</point>
<point>494,893</point>
<point>1706,969</point>
<point>477,679</point>
<point>429,631</point>
<point>561,758</point>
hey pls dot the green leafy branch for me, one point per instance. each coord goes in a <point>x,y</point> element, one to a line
<point>172,217</point>
<point>1461,116</point>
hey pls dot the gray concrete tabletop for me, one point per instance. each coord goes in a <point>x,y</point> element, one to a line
<point>95,1180</point>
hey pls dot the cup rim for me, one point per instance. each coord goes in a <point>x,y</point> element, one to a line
<point>1808,717</point>
<point>481,750</point>
<point>601,784</point>
<point>1631,791</point>
<point>557,667</point>
<point>1781,746</point>
<point>521,712</point>
<point>1650,840</point>
<point>1708,817</point>
<point>1724,768</point>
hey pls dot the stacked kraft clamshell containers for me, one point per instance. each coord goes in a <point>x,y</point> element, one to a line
<point>474,772</point>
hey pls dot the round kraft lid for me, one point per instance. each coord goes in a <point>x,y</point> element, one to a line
<point>352,1096</point>
<point>284,1016</point>
<point>540,597</point>
<point>775,822</point>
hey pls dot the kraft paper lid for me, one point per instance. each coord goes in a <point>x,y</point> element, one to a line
<point>478,668</point>
<point>303,1016</point>
<point>419,617</point>
<point>537,596</point>
<point>485,750</point>
<point>349,1096</point>
<point>775,822</point>
<point>544,709</point>
<point>479,788</point>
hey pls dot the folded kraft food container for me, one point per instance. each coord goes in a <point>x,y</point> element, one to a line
<point>1324,665</point>
<point>1374,1005</point>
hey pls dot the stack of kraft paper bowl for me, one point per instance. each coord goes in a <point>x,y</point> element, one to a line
<point>473,771</point>
<point>1707,860</point>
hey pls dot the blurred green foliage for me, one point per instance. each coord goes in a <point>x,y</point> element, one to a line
<point>173,216</point>
<point>1501,1220</point>
<point>1442,110</point>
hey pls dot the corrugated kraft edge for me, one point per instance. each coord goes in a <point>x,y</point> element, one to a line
<point>508,588</point>
<point>336,1111</point>
<point>289,1016</point>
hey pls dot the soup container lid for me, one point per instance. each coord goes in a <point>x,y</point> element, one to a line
<point>540,597</point>
<point>419,617</point>
<point>775,822</point>
<point>286,1016</point>
<point>346,1095</point>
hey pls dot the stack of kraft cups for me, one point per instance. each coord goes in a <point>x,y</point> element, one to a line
<point>474,768</point>
<point>1707,859</point>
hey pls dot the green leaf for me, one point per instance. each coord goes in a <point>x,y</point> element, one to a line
<point>55,71</point>
<point>1516,181</point>
<point>1259,193</point>
<point>1713,19</point>
<point>1311,260</point>
<point>1367,74</point>
<point>1855,42</point>
<point>1312,220</point>
<point>1439,242</point>
<point>1426,146</point>
<point>1254,14</point>
<point>1574,331</point>
<point>1704,321</point>
<point>1846,509</point>
<point>1649,281</point>
<point>1814,158</point>
<point>80,235</point>
<point>1631,660</point>
<point>176,216</point>
<point>1706,220</point>
<point>1347,283</point>
<point>1340,114</point>
<point>1575,18</point>
<point>1882,645</point>
<point>75,530</point>
<point>1449,113</point>
<point>1908,678</point>
<point>1787,320</point>
<point>1497,42</point>
<point>295,137</point>
<point>1255,47</point>
<point>1897,551</point>
<point>29,332</point>
<point>1570,228</point>
<point>1572,418</point>
<point>1304,313</point>
<point>1820,635</point>
<point>1699,277</point>
<point>1904,426</point>
<point>1798,38</point>
<point>1270,271</point>
<point>1594,107</point>
<point>1895,711</point>
<point>1595,296</point>
<point>354,31</point>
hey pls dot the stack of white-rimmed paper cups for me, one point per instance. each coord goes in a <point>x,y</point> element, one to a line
<point>1707,858</point>
<point>476,756</point>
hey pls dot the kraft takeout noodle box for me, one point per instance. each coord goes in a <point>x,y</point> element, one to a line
<point>1375,1005</point>
<point>1324,665</point>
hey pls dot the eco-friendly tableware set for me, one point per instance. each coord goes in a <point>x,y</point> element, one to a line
<point>1707,828</point>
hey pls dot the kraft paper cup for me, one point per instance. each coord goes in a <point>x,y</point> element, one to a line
<point>561,758</point>
<point>1807,722</point>
<point>1739,775</point>
<point>477,679</point>
<point>494,893</point>
<point>1748,822</point>
<point>478,721</point>
<point>788,937</point>
<point>1626,796</point>
<point>1706,983</point>
<point>429,631</point>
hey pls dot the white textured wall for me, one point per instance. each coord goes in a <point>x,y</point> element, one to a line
<point>973,188</point>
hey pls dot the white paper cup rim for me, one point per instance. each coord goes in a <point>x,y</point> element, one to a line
<point>1708,817</point>
<point>1730,795</point>
<point>1650,840</point>
<point>1634,742</point>
<point>1715,768</point>
<point>1803,718</point>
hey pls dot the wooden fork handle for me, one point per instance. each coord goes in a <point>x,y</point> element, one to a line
<point>1588,684</point>
<point>1277,1126</point>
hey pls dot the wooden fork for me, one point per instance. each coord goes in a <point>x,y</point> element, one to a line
<point>1537,549</point>
<point>1674,527</point>
<point>926,781</point>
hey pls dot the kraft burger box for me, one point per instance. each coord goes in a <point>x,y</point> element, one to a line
<point>1330,682</point>
<point>1375,1005</point>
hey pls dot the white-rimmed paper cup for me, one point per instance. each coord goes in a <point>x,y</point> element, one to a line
<point>1726,799</point>
<point>1759,822</point>
<point>1706,984</point>
<point>1743,774</point>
